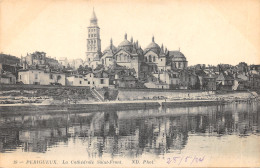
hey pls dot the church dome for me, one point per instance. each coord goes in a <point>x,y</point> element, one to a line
<point>153,46</point>
<point>126,45</point>
<point>110,47</point>
<point>177,56</point>
<point>125,42</point>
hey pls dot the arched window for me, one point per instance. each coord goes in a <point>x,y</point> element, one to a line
<point>150,58</point>
<point>153,58</point>
<point>146,59</point>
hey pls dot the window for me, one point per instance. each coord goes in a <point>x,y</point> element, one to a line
<point>153,58</point>
<point>36,76</point>
<point>93,82</point>
<point>150,58</point>
<point>51,76</point>
<point>20,76</point>
<point>102,81</point>
<point>80,82</point>
<point>89,82</point>
<point>161,59</point>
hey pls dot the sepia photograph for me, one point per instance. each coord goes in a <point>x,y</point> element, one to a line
<point>120,83</point>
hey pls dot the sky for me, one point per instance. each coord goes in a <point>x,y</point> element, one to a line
<point>205,31</point>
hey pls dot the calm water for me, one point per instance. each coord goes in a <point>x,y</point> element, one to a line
<point>157,133</point>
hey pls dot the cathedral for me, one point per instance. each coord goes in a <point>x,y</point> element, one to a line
<point>129,54</point>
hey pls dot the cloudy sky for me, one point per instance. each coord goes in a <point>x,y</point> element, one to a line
<point>206,31</point>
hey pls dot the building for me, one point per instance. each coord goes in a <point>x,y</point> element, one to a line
<point>209,82</point>
<point>36,58</point>
<point>64,62</point>
<point>152,62</point>
<point>155,56</point>
<point>76,63</point>
<point>39,59</point>
<point>76,80</point>
<point>177,60</point>
<point>225,81</point>
<point>188,79</point>
<point>254,81</point>
<point>41,77</point>
<point>7,78</point>
<point>127,55</point>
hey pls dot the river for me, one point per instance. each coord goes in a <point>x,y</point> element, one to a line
<point>183,136</point>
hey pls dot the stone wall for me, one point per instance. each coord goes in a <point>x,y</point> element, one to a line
<point>55,92</point>
<point>145,94</point>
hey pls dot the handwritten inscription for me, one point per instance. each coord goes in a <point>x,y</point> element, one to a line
<point>185,159</point>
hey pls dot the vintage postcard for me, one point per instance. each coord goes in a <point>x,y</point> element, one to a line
<point>120,83</point>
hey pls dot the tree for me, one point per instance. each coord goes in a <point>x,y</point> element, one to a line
<point>197,84</point>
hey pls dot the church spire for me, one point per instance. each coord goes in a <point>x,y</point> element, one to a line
<point>153,39</point>
<point>93,19</point>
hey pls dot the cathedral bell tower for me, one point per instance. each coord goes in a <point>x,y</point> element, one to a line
<point>93,40</point>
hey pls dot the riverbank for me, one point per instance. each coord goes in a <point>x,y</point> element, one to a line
<point>79,99</point>
<point>19,109</point>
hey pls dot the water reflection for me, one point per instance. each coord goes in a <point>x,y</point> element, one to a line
<point>127,133</point>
